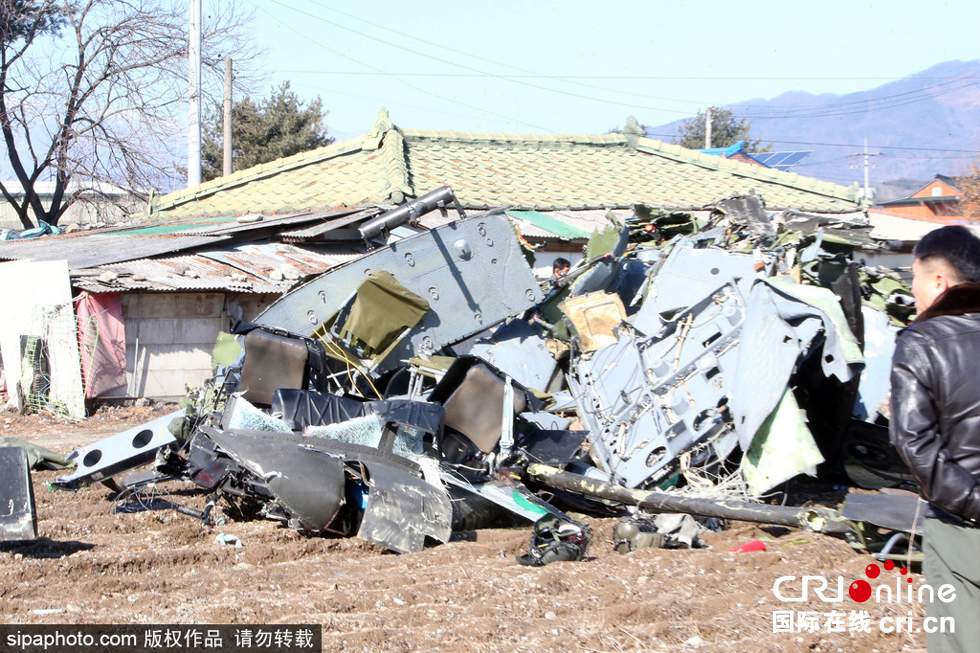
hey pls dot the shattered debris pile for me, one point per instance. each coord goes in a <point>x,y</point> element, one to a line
<point>435,385</point>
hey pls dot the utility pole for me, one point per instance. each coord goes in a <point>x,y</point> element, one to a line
<point>866,193</point>
<point>194,117</point>
<point>707,129</point>
<point>226,150</point>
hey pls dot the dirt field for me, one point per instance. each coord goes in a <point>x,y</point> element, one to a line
<point>93,566</point>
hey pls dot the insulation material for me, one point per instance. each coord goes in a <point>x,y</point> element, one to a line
<point>365,431</point>
<point>595,316</point>
<point>246,416</point>
<point>408,442</point>
<point>102,340</point>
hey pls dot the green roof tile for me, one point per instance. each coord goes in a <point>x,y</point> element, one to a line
<point>531,172</point>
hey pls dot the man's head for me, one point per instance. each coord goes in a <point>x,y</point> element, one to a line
<point>943,258</point>
<point>560,267</point>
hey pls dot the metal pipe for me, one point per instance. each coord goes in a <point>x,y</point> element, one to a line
<point>410,212</point>
<point>819,520</point>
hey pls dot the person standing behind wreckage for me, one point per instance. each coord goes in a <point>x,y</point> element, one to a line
<point>936,422</point>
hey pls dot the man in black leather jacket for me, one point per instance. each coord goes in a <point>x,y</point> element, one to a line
<point>935,422</point>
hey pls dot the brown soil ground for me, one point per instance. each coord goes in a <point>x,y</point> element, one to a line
<point>95,566</point>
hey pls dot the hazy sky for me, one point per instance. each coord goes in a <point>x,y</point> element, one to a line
<point>583,67</point>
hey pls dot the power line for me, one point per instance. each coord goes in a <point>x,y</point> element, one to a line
<point>476,70</point>
<point>885,147</point>
<point>528,74</point>
<point>412,86</point>
<point>769,113</point>
<point>654,78</point>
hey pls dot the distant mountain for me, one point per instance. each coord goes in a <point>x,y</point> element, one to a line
<point>936,109</point>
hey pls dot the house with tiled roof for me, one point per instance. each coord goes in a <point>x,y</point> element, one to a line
<point>202,256</point>
<point>938,201</point>
<point>526,172</point>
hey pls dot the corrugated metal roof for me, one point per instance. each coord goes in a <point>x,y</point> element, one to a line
<point>584,222</point>
<point>86,250</point>
<point>332,221</point>
<point>257,222</point>
<point>267,268</point>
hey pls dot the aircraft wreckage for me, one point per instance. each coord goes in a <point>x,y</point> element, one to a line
<point>434,384</point>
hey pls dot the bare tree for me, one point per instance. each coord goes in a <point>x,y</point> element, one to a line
<point>93,92</point>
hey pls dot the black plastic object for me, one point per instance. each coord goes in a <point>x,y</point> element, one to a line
<point>309,484</point>
<point>473,393</point>
<point>552,447</point>
<point>208,467</point>
<point>302,408</point>
<point>555,539</point>
<point>272,361</point>
<point>18,519</point>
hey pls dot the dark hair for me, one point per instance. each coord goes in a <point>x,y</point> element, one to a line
<point>561,263</point>
<point>957,246</point>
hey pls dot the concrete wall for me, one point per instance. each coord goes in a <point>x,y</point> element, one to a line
<point>170,336</point>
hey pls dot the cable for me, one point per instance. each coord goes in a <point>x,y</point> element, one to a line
<point>482,110</point>
<point>475,70</point>
<point>534,75</point>
<point>884,147</point>
<point>848,105</point>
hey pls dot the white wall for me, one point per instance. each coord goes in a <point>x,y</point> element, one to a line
<point>29,290</point>
<point>176,333</point>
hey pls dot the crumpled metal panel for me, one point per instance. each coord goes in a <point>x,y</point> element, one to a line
<point>648,400</point>
<point>748,211</point>
<point>309,484</point>
<point>403,510</point>
<point>522,351</point>
<point>471,272</point>
<point>18,516</point>
<point>119,453</point>
<point>688,273</point>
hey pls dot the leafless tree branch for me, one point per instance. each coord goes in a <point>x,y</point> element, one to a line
<point>95,91</point>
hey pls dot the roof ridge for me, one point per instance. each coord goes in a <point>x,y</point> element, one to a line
<point>397,183</point>
<point>178,197</point>
<point>743,169</point>
<point>412,133</point>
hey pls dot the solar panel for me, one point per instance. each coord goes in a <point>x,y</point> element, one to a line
<point>781,160</point>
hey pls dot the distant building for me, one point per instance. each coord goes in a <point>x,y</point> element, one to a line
<point>91,203</point>
<point>939,200</point>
